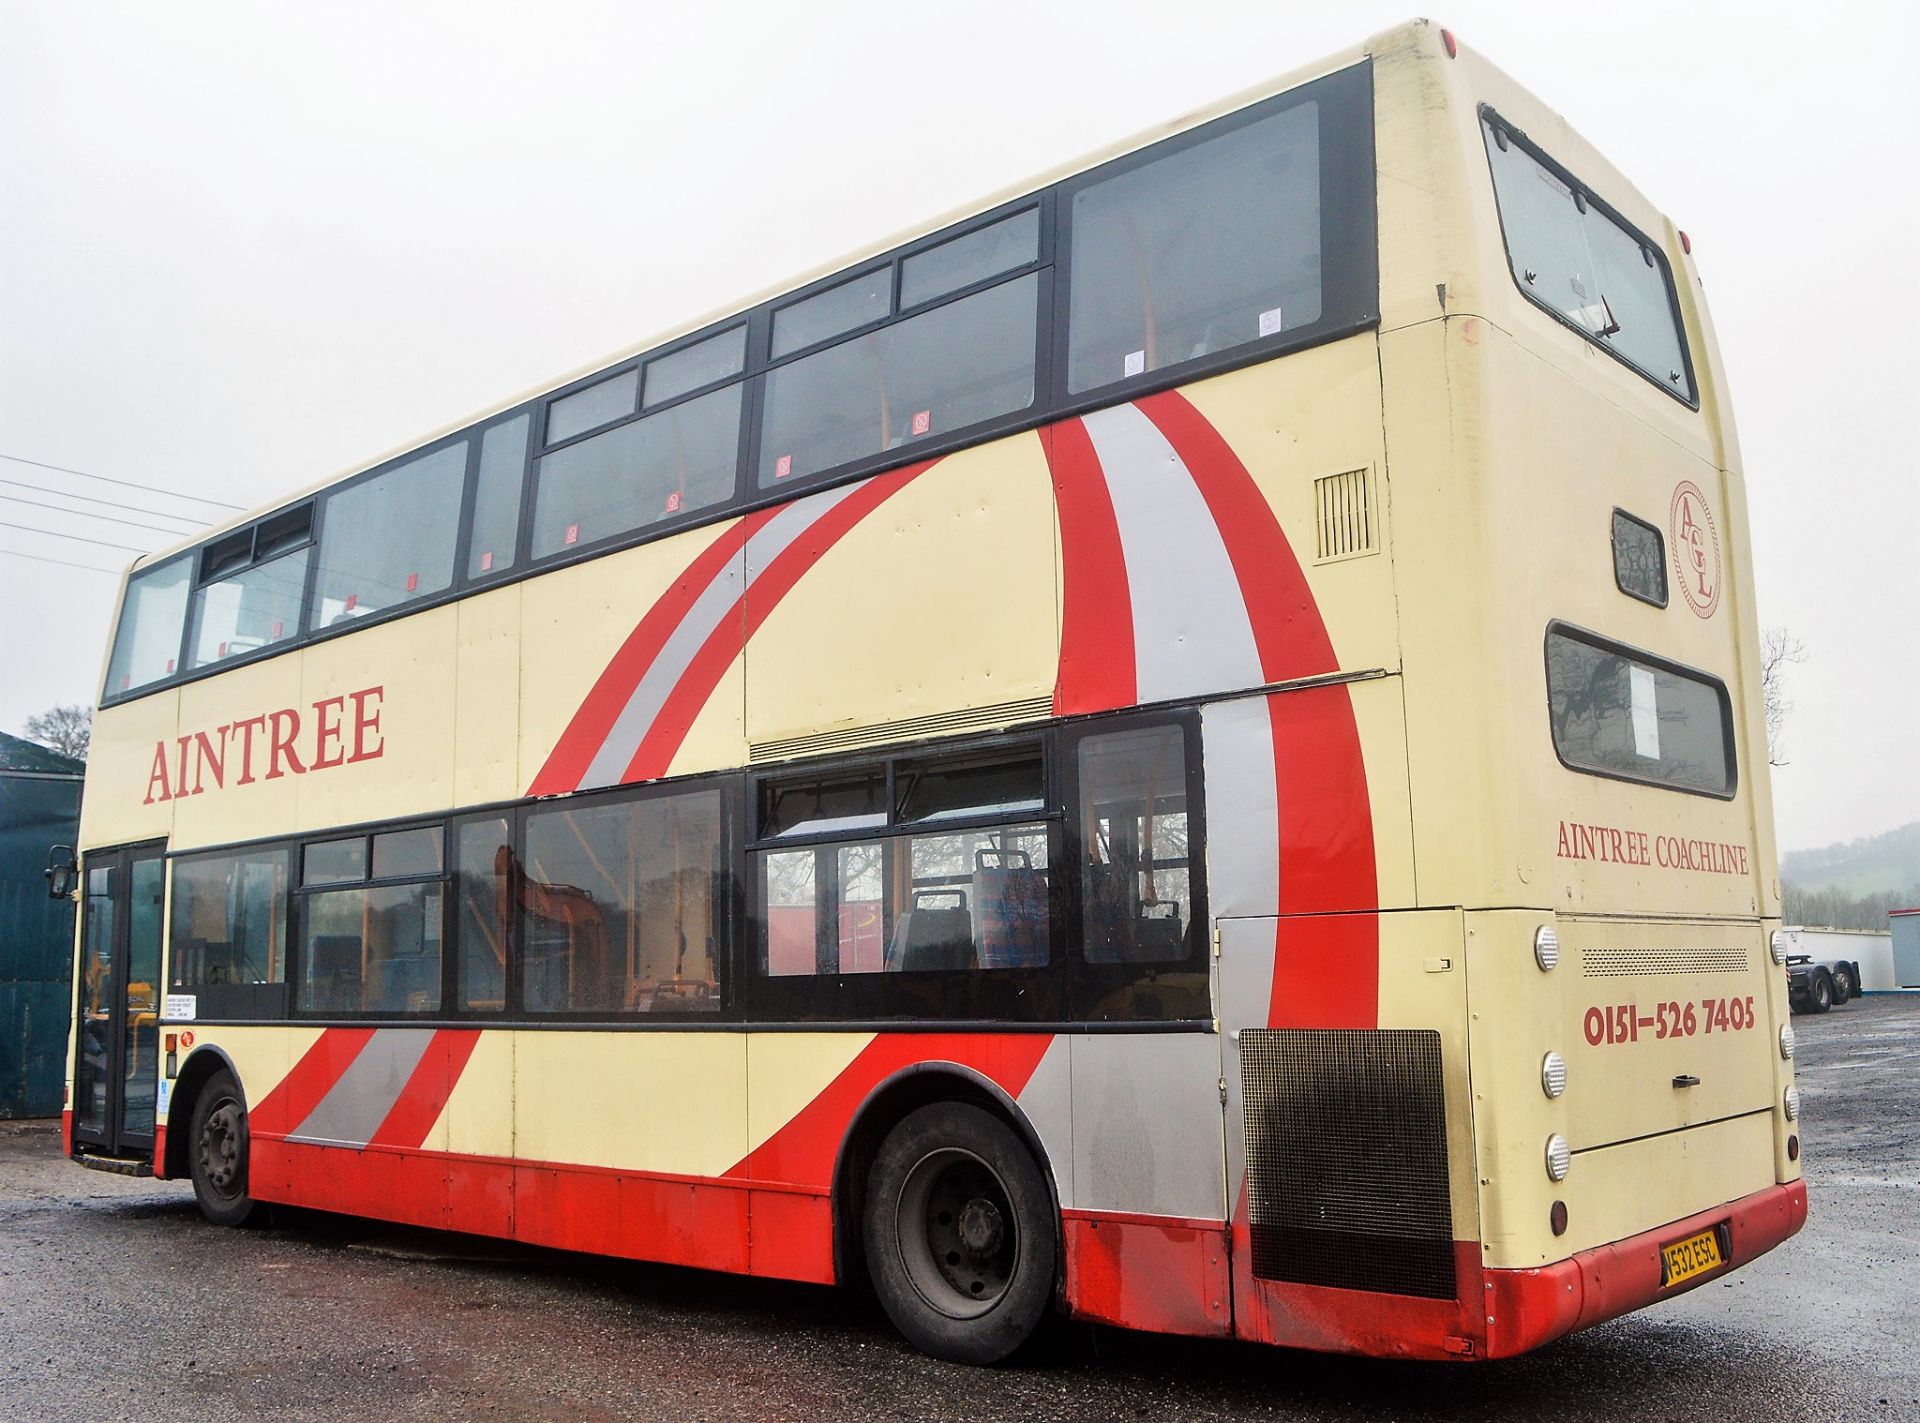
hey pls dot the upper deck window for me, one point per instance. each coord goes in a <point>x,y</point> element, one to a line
<point>948,368</point>
<point>1574,256</point>
<point>659,467</point>
<point>147,643</point>
<point>1213,246</point>
<point>1627,714</point>
<point>390,539</point>
<point>251,584</point>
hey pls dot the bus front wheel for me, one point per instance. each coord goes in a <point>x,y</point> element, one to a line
<point>217,1151</point>
<point>960,1235</point>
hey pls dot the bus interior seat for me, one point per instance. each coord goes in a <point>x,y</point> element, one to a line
<point>935,935</point>
<point>1120,929</point>
<point>1010,901</point>
<point>335,971</point>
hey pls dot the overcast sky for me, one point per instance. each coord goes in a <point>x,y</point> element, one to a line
<point>246,246</point>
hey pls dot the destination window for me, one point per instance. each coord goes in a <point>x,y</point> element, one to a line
<point>1617,712</point>
<point>1208,248</point>
<point>1573,256</point>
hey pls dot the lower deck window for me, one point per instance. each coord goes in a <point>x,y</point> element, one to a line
<point>620,906</point>
<point>371,949</point>
<point>227,932</point>
<point>1618,712</point>
<point>955,902</point>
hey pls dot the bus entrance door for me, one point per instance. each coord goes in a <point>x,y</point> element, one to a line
<point>115,1073</point>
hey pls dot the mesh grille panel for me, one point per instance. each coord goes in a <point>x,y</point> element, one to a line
<point>1347,1159</point>
<point>1617,963</point>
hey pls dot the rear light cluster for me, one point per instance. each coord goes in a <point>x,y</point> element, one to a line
<point>1779,944</point>
<point>1786,1040</point>
<point>1553,1074</point>
<point>1559,1157</point>
<point>1546,948</point>
<point>1791,1103</point>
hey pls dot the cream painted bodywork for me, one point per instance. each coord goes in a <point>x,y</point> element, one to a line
<point>1496,443</point>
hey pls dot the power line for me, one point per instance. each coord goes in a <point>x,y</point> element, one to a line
<point>125,483</point>
<point>83,514</point>
<point>61,562</point>
<point>55,534</point>
<point>90,499</point>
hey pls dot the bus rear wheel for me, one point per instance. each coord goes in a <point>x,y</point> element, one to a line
<point>960,1237</point>
<point>217,1147</point>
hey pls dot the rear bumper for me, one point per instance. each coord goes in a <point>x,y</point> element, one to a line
<point>1528,1308</point>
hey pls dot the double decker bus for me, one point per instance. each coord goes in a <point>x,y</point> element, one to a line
<point>1183,746</point>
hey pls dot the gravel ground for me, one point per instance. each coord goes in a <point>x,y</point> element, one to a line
<point>116,1301</point>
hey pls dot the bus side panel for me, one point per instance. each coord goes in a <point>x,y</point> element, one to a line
<point>1146,1239</point>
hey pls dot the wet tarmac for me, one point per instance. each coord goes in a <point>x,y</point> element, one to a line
<point>117,1302</point>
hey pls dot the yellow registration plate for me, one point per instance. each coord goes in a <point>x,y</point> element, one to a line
<point>1695,1255</point>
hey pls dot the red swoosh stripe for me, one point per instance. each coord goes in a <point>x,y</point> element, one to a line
<point>763,593</point>
<point>311,1078</point>
<point>803,1152</point>
<point>425,1096</point>
<point>1287,628</point>
<point>1096,626</point>
<point>567,764</point>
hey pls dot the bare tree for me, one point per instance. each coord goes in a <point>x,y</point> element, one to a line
<point>67,730</point>
<point>1779,650</point>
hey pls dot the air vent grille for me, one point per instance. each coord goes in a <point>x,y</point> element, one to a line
<point>1345,521</point>
<point>1619,963</point>
<point>908,729</point>
<point>1347,1179</point>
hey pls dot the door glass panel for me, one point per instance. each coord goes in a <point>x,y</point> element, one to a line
<point>93,1070</point>
<point>147,885</point>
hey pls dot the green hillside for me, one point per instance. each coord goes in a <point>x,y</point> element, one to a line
<point>1878,864</point>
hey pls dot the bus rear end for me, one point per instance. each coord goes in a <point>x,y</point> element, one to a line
<point>1604,814</point>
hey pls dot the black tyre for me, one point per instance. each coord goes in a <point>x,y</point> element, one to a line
<point>1821,991</point>
<point>960,1232</point>
<point>217,1151</point>
<point>1844,987</point>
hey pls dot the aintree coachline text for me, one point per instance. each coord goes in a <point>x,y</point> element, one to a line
<point>1612,845</point>
<point>289,741</point>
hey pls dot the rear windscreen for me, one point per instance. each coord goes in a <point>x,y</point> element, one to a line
<point>1622,713</point>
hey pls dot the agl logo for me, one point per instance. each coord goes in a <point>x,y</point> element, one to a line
<point>1696,548</point>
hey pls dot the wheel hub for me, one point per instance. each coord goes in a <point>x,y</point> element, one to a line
<point>959,1238</point>
<point>982,1227</point>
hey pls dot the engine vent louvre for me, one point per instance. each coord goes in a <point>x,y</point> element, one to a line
<point>1347,1159</point>
<point>1618,963</point>
<point>1344,517</point>
<point>908,729</point>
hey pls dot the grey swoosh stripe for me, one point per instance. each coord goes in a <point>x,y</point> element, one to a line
<point>354,1107</point>
<point>1191,632</point>
<point>630,728</point>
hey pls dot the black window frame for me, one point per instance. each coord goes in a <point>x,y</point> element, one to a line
<point>725,911</point>
<point>300,890</point>
<point>240,1002</point>
<point>1350,230</point>
<point>1488,118</point>
<point>1614,647</point>
<point>1350,241</point>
